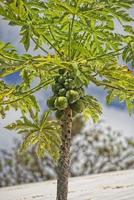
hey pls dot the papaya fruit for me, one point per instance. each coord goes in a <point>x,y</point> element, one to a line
<point>61,80</point>
<point>78,106</point>
<point>62,71</point>
<point>50,102</point>
<point>56,88</point>
<point>59,114</point>
<point>70,75</point>
<point>62,92</point>
<point>69,84</point>
<point>66,85</point>
<point>56,78</point>
<point>72,96</point>
<point>70,80</point>
<point>61,103</point>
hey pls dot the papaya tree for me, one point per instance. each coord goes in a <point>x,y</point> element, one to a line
<point>81,47</point>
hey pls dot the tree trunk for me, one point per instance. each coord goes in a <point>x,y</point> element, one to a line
<point>64,160</point>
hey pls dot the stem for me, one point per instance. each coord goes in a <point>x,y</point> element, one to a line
<point>9,71</point>
<point>52,45</point>
<point>70,36</point>
<point>70,31</point>
<point>51,33</point>
<point>25,94</point>
<point>99,83</point>
<point>81,39</point>
<point>29,14</point>
<point>107,54</point>
<point>64,160</point>
<point>10,58</point>
<point>39,46</point>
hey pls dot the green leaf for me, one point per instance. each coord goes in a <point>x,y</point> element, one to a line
<point>41,132</point>
<point>130,106</point>
<point>110,97</point>
<point>25,33</point>
<point>93,109</point>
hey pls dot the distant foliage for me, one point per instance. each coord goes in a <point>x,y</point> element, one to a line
<point>94,151</point>
<point>101,150</point>
<point>26,168</point>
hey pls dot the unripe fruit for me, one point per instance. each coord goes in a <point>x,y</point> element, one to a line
<point>59,114</point>
<point>62,71</point>
<point>61,80</point>
<point>78,106</point>
<point>56,78</point>
<point>56,88</point>
<point>70,80</point>
<point>66,85</point>
<point>62,92</point>
<point>72,96</point>
<point>61,103</point>
<point>50,102</point>
<point>70,75</point>
<point>69,85</point>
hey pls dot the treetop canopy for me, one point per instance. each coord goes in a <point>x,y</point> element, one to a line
<point>84,41</point>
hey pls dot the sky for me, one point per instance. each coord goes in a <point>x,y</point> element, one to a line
<point>114,115</point>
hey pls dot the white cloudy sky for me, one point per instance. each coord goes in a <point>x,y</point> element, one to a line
<point>113,116</point>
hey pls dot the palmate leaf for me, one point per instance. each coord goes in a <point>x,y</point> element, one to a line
<point>128,53</point>
<point>93,108</point>
<point>27,65</point>
<point>25,33</point>
<point>13,97</point>
<point>83,40</point>
<point>45,134</point>
<point>57,14</point>
<point>118,81</point>
<point>127,97</point>
<point>130,105</point>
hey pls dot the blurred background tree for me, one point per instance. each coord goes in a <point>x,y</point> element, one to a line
<point>95,150</point>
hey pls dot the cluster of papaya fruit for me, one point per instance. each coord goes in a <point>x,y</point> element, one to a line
<point>67,91</point>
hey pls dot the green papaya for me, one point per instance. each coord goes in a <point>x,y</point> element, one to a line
<point>70,80</point>
<point>61,103</point>
<point>56,88</point>
<point>62,71</point>
<point>69,85</point>
<point>56,78</point>
<point>72,96</point>
<point>50,102</point>
<point>62,92</point>
<point>61,80</point>
<point>66,85</point>
<point>78,106</point>
<point>70,75</point>
<point>59,114</point>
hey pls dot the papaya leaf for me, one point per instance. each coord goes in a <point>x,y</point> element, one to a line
<point>93,109</point>
<point>44,134</point>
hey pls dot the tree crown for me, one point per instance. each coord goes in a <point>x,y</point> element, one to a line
<point>78,36</point>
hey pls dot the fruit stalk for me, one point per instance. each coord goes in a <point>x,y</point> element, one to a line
<point>64,159</point>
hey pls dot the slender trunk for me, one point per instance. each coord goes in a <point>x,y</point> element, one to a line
<point>64,160</point>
